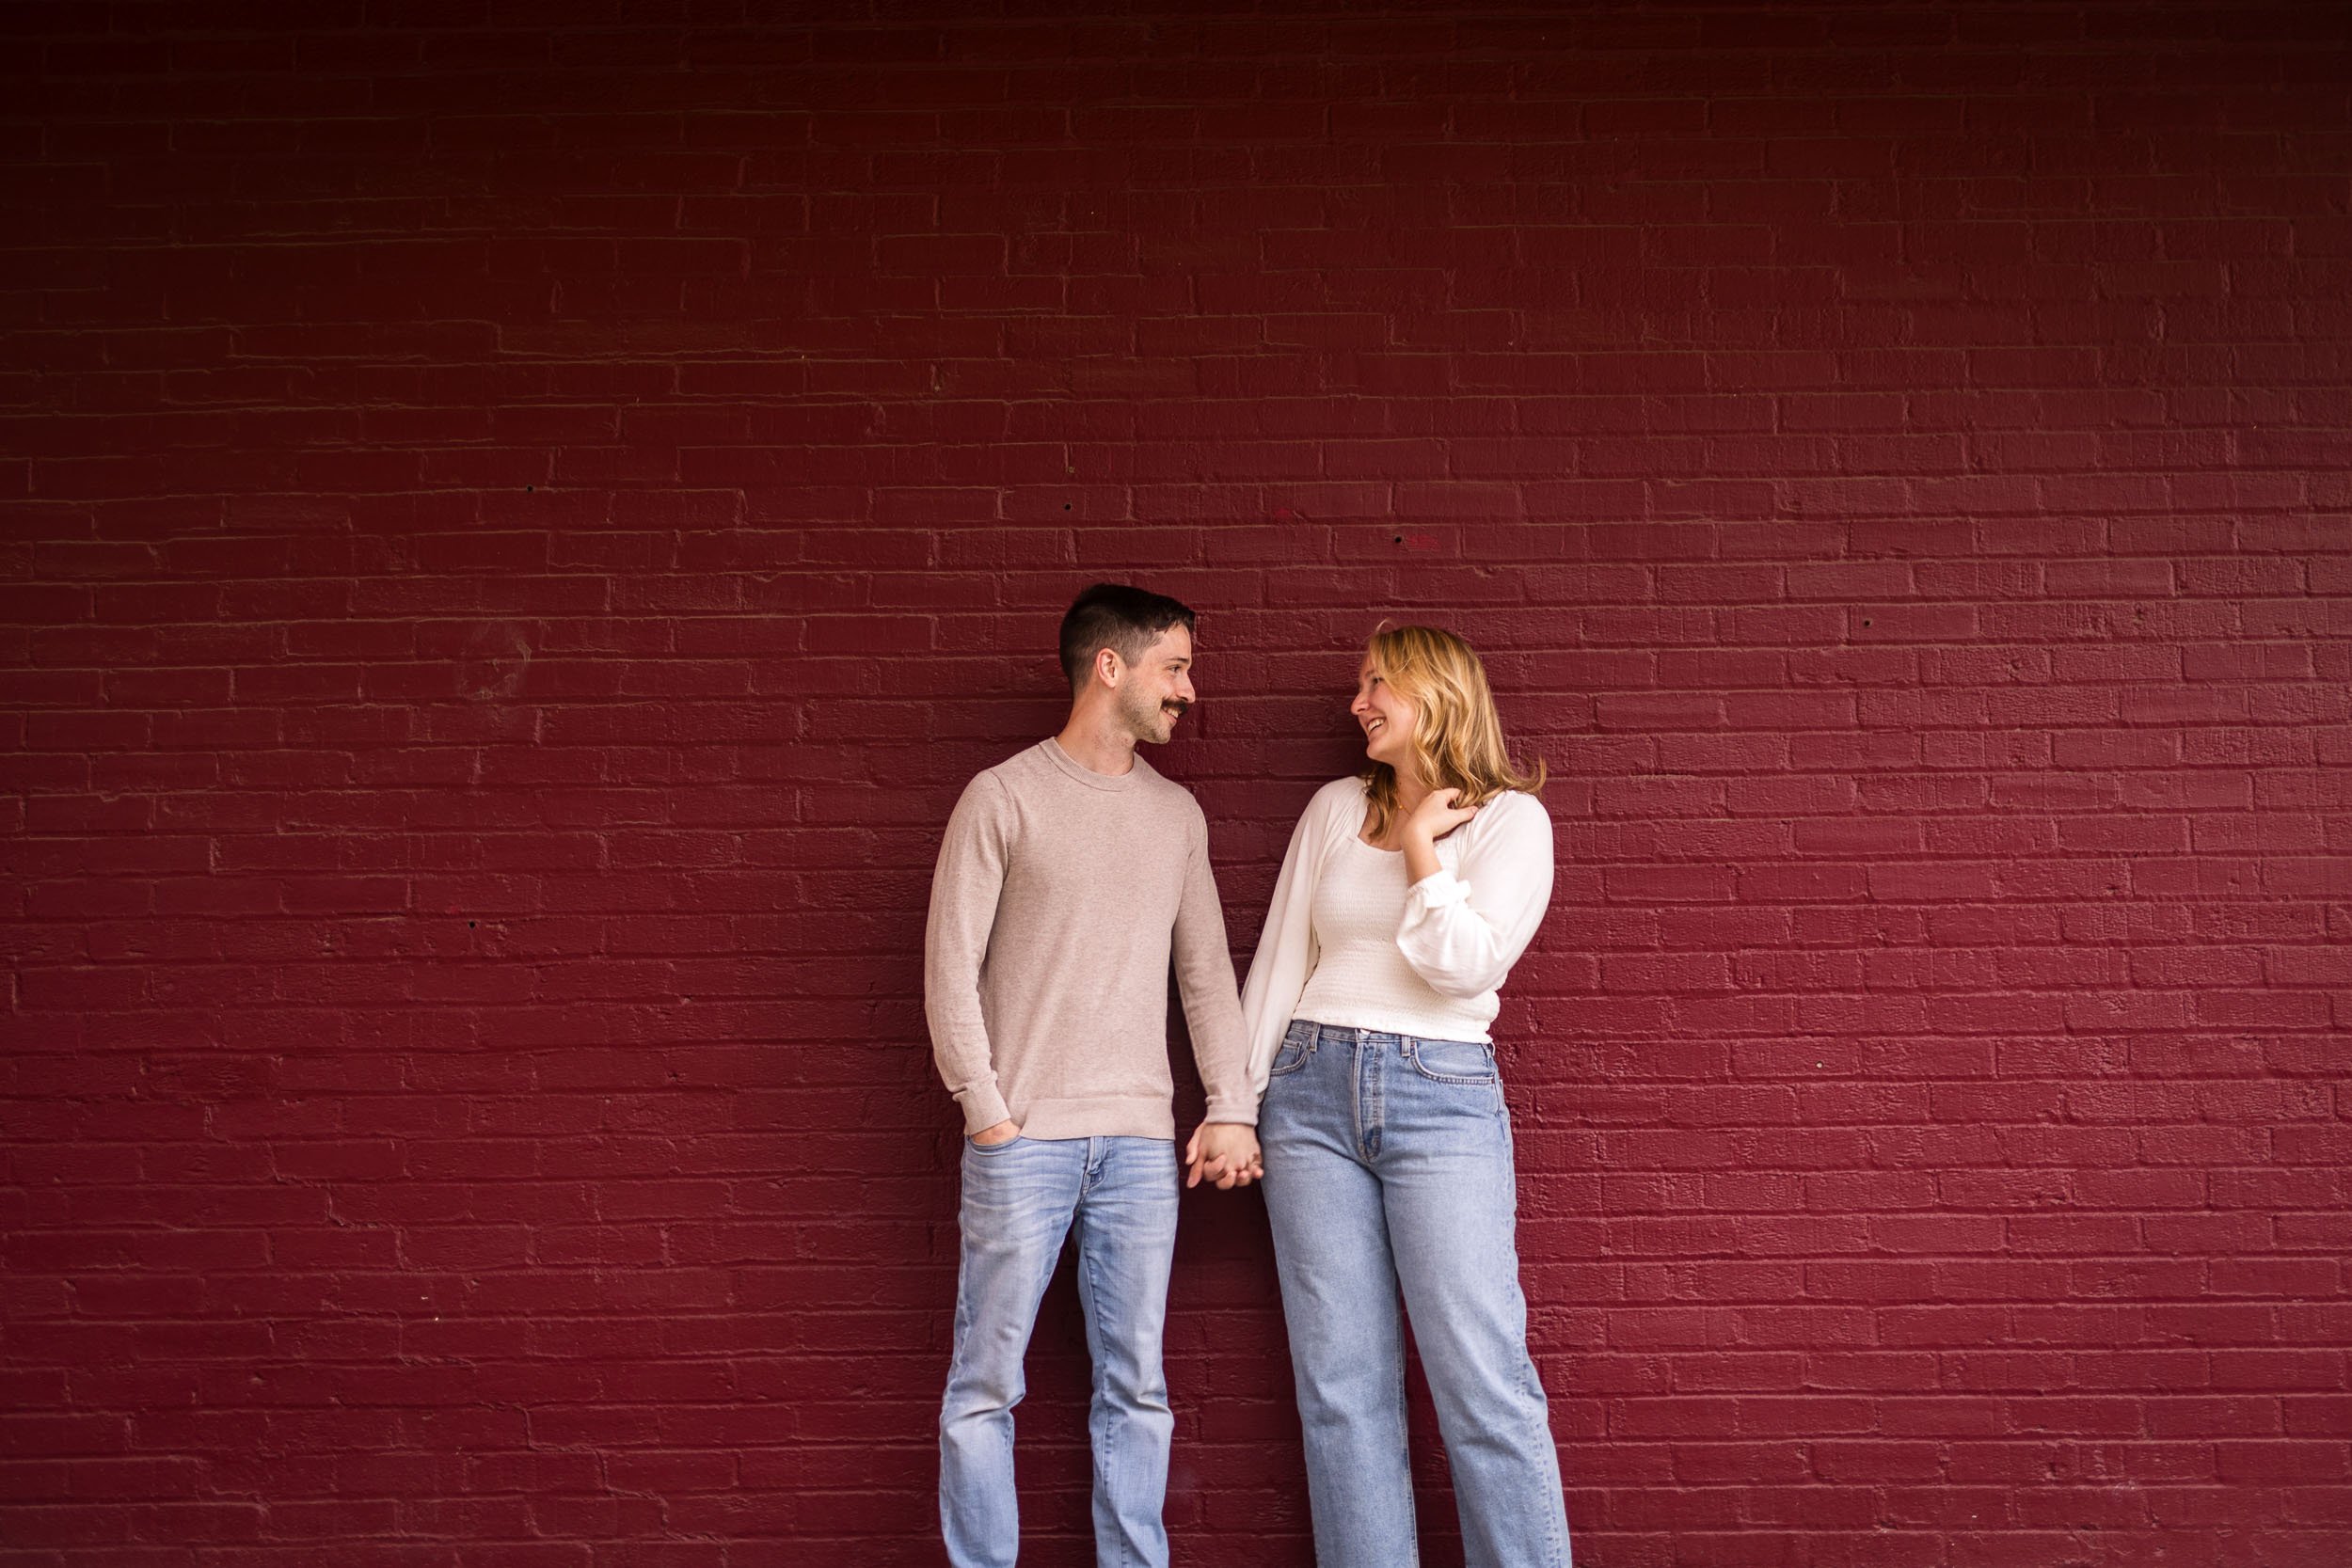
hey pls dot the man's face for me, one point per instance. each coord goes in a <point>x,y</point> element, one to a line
<point>1156,689</point>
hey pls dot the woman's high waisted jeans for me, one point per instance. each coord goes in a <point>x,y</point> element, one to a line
<point>1387,1165</point>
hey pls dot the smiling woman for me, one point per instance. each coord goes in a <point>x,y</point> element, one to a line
<point>1428,715</point>
<point>1407,895</point>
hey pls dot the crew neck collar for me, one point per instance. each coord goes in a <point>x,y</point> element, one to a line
<point>1087,776</point>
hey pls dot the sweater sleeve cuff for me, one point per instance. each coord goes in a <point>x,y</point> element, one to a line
<point>1239,1113</point>
<point>1434,892</point>
<point>983,1107</point>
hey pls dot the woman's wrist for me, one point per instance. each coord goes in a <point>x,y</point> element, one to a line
<point>1420,857</point>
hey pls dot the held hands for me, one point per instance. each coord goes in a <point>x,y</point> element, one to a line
<point>1224,1153</point>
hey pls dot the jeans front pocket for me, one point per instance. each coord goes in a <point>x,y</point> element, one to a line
<point>979,1148</point>
<point>1298,1043</point>
<point>1453,1061</point>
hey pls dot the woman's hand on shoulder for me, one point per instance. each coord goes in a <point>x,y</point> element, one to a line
<point>1436,816</point>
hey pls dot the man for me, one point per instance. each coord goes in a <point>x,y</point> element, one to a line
<point>1069,875</point>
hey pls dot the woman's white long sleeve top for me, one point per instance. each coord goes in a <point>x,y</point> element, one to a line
<point>1426,960</point>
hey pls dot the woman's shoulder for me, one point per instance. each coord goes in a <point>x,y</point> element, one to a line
<point>1344,791</point>
<point>1339,801</point>
<point>1514,812</point>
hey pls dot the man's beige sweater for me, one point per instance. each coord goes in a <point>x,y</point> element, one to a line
<point>1060,895</point>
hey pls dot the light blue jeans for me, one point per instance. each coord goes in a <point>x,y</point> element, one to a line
<point>1020,1200</point>
<point>1387,1165</point>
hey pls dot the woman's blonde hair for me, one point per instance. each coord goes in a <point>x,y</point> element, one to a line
<point>1458,739</point>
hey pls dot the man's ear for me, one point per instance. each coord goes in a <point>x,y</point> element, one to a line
<point>1108,665</point>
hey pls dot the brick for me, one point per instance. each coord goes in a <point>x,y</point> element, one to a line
<point>486,702</point>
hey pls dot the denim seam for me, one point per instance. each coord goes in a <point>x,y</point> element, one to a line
<point>1104,1443</point>
<point>1404,1422</point>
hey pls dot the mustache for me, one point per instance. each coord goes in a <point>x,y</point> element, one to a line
<point>1178,705</point>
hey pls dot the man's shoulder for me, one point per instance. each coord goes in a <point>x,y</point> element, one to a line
<point>1160,788</point>
<point>994,788</point>
<point>1024,763</point>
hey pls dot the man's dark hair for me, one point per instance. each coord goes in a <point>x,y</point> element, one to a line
<point>1113,615</point>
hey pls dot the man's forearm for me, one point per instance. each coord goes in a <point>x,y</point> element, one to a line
<point>965,889</point>
<point>960,1047</point>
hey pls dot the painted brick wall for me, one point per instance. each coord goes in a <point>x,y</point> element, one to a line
<point>520,518</point>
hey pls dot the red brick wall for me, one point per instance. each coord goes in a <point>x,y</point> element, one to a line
<point>520,517</point>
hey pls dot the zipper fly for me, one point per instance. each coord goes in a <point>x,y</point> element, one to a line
<point>1368,1083</point>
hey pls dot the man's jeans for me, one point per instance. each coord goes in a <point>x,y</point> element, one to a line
<point>1387,1163</point>
<point>1020,1199</point>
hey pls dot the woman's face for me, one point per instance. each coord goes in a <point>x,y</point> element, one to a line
<point>1386,718</point>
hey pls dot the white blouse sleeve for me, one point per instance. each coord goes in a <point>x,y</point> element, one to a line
<point>1463,931</point>
<point>1286,948</point>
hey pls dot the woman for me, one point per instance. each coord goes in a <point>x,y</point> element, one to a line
<point>1405,897</point>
